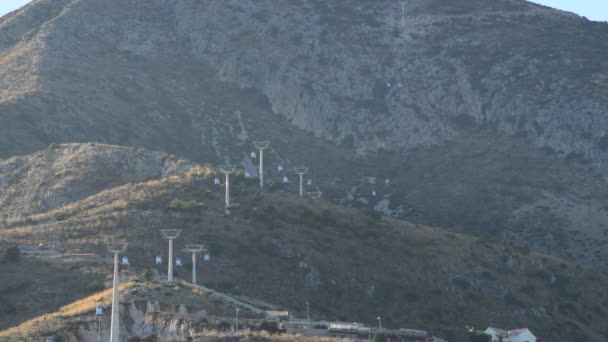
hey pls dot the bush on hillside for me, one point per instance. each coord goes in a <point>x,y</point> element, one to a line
<point>271,327</point>
<point>479,337</point>
<point>95,286</point>
<point>379,337</point>
<point>12,254</point>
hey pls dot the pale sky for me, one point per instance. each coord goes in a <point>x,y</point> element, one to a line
<point>592,9</point>
<point>11,5</point>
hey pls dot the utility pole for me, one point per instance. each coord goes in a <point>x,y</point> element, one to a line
<point>379,323</point>
<point>308,312</point>
<point>227,170</point>
<point>261,145</point>
<point>170,234</point>
<point>192,248</point>
<point>301,171</point>
<point>236,326</point>
<point>116,249</point>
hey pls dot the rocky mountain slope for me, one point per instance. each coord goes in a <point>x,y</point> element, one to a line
<point>284,250</point>
<point>348,72</point>
<point>504,100</point>
<point>65,173</point>
<point>487,117</point>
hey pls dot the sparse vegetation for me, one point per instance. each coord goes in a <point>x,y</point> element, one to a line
<point>178,204</point>
<point>12,254</point>
<point>299,246</point>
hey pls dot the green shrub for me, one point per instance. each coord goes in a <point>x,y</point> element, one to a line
<point>8,308</point>
<point>95,286</point>
<point>528,289</point>
<point>379,337</point>
<point>146,275</point>
<point>12,254</point>
<point>461,283</point>
<point>479,337</point>
<point>271,327</point>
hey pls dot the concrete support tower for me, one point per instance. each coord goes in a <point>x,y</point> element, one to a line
<point>301,171</point>
<point>116,249</point>
<point>194,249</point>
<point>261,145</point>
<point>170,234</point>
<point>227,170</point>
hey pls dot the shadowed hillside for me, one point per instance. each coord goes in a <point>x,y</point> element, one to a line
<point>285,250</point>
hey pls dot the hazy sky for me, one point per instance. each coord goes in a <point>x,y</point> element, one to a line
<point>592,9</point>
<point>10,5</point>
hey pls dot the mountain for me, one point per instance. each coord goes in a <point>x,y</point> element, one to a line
<point>488,117</point>
<point>275,247</point>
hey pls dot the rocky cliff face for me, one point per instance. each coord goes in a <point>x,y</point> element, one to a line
<point>352,73</point>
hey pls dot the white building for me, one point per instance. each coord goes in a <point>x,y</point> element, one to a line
<point>517,335</point>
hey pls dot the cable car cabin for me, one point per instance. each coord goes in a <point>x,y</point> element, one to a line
<point>247,175</point>
<point>253,155</point>
<point>387,181</point>
<point>309,182</point>
<point>217,181</point>
<point>125,260</point>
<point>280,168</point>
<point>159,260</point>
<point>207,257</point>
<point>374,193</point>
<point>99,310</point>
<point>285,179</point>
<point>178,262</point>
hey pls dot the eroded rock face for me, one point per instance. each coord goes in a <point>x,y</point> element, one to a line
<point>138,321</point>
<point>352,73</point>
